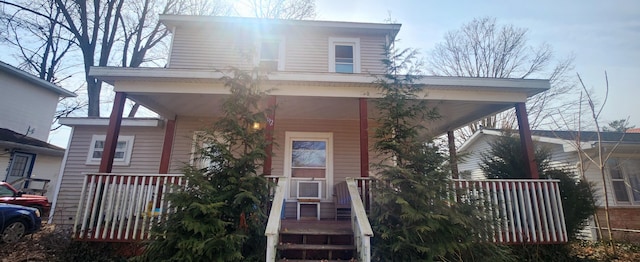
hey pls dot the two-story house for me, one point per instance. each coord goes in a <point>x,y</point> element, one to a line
<point>322,82</point>
<point>27,107</point>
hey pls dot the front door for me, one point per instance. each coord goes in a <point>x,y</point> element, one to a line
<point>21,166</point>
<point>309,161</point>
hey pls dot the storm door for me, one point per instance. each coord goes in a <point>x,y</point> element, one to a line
<point>309,165</point>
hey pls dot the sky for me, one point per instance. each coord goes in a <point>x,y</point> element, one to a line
<point>602,35</point>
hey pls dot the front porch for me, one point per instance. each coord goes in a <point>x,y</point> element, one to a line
<point>124,207</point>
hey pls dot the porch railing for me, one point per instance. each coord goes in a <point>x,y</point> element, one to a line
<point>525,211</point>
<point>359,222</point>
<point>273,224</point>
<point>122,207</point>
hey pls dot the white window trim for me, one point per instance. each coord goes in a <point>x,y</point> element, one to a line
<point>625,178</point>
<point>355,42</point>
<point>116,162</point>
<point>196,145</point>
<point>328,182</point>
<point>281,51</point>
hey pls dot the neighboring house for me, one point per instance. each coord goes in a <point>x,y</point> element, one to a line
<point>323,84</point>
<point>27,107</point>
<point>622,170</point>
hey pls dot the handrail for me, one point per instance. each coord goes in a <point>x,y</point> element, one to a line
<point>361,228</point>
<point>273,224</point>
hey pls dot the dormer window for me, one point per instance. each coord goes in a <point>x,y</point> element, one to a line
<point>271,55</point>
<point>344,55</point>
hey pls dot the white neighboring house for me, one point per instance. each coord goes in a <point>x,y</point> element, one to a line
<point>27,106</point>
<point>622,171</point>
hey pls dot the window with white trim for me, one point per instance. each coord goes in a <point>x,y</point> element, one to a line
<point>344,55</point>
<point>205,147</point>
<point>271,54</point>
<point>625,179</point>
<point>122,156</point>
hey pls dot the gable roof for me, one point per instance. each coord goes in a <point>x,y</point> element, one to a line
<point>14,71</point>
<point>565,138</point>
<point>194,20</point>
<point>9,138</point>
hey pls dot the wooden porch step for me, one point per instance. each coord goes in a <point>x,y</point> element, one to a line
<point>315,260</point>
<point>314,247</point>
<point>316,231</point>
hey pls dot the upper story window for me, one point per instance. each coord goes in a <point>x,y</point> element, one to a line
<point>122,155</point>
<point>271,54</point>
<point>344,55</point>
<point>625,179</point>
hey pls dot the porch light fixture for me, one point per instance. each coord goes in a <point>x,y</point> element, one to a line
<point>256,126</point>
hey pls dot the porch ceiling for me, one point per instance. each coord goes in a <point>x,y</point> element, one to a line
<point>454,114</point>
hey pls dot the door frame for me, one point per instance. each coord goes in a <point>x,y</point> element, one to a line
<point>313,136</point>
<point>28,167</point>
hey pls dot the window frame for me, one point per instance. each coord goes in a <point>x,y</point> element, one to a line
<point>281,52</point>
<point>616,164</point>
<point>344,41</point>
<point>327,181</point>
<point>124,161</point>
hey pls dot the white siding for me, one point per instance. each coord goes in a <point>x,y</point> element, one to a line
<point>145,159</point>
<point>472,157</point>
<point>46,167</point>
<point>25,106</point>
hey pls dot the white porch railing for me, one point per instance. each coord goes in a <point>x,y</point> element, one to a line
<point>359,222</point>
<point>526,211</point>
<point>122,207</point>
<point>273,224</point>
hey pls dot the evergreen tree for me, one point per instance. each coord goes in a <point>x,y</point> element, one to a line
<point>220,213</point>
<point>504,161</point>
<point>412,216</point>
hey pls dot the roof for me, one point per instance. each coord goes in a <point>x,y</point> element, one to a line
<point>9,69</point>
<point>565,138</point>
<point>178,20</point>
<point>587,136</point>
<point>103,121</point>
<point>9,138</point>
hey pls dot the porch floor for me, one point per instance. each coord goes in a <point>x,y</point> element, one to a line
<point>316,227</point>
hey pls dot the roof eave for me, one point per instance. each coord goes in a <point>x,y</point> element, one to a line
<point>36,81</point>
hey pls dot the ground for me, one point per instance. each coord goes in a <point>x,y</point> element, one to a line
<point>51,244</point>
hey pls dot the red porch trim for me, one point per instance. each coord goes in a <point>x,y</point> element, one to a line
<point>167,146</point>
<point>453,158</point>
<point>113,131</point>
<point>269,129</point>
<point>364,138</point>
<point>525,141</point>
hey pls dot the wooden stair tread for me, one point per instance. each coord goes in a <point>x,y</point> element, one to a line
<point>316,231</point>
<point>288,246</point>
<point>313,260</point>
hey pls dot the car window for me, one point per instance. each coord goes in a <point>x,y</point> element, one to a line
<point>5,191</point>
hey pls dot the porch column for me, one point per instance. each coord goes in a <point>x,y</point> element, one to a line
<point>269,129</point>
<point>113,131</point>
<point>167,146</point>
<point>526,142</point>
<point>453,157</point>
<point>364,139</point>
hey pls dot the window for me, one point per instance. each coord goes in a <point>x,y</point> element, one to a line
<point>5,191</point>
<point>205,151</point>
<point>344,55</point>
<point>309,158</point>
<point>122,156</point>
<point>625,179</point>
<point>272,55</point>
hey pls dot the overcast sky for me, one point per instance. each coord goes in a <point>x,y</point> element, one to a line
<point>603,35</point>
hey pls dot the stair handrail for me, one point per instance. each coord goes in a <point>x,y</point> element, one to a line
<point>360,223</point>
<point>273,224</point>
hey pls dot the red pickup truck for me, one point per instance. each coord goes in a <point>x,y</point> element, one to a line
<point>10,195</point>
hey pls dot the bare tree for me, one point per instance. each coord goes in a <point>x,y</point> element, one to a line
<point>482,48</point>
<point>98,28</point>
<point>283,9</point>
